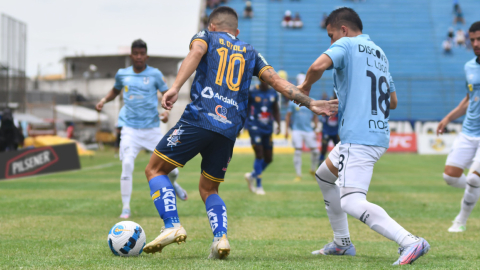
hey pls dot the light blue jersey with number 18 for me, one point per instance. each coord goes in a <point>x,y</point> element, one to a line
<point>363,85</point>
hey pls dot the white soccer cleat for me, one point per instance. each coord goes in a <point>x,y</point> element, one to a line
<point>220,249</point>
<point>260,191</point>
<point>181,193</point>
<point>125,213</point>
<point>251,182</point>
<point>176,234</point>
<point>458,227</point>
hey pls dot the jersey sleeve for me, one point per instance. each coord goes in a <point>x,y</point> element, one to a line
<point>203,36</point>
<point>338,53</point>
<point>160,82</point>
<point>391,83</point>
<point>118,81</point>
<point>260,65</point>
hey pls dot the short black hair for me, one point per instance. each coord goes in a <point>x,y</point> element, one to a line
<point>345,16</point>
<point>224,17</point>
<point>475,27</point>
<point>139,44</point>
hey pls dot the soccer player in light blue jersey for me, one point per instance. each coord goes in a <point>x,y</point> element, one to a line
<point>366,93</point>
<point>225,66</point>
<point>301,119</point>
<point>466,148</point>
<point>139,116</point>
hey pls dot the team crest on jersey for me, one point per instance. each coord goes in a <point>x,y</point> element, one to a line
<point>146,80</point>
<point>201,33</point>
<point>272,99</point>
<point>258,99</point>
<point>174,138</point>
<point>220,114</point>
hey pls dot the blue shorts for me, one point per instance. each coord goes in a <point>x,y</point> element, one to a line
<point>264,140</point>
<point>184,141</point>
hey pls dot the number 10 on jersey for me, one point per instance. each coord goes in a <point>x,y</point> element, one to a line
<point>223,52</point>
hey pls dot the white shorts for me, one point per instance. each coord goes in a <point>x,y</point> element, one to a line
<point>464,151</point>
<point>133,140</point>
<point>355,163</point>
<point>309,137</point>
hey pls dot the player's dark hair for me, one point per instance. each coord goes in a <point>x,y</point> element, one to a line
<point>475,27</point>
<point>224,17</point>
<point>139,44</point>
<point>345,16</point>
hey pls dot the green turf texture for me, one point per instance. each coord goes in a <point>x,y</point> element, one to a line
<point>61,221</point>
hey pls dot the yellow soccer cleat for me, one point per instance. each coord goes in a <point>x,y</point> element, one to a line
<point>176,234</point>
<point>220,249</point>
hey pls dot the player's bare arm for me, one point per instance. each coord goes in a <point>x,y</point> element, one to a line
<point>276,116</point>
<point>315,72</point>
<point>393,100</point>
<point>315,123</point>
<point>460,110</point>
<point>189,65</point>
<point>293,93</point>
<point>112,94</point>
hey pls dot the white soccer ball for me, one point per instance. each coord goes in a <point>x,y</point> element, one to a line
<point>126,238</point>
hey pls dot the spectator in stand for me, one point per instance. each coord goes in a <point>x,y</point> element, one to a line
<point>447,47</point>
<point>459,17</point>
<point>450,34</point>
<point>287,19</point>
<point>460,38</point>
<point>297,22</point>
<point>248,11</point>
<point>455,6</point>
<point>70,130</point>
<point>324,20</point>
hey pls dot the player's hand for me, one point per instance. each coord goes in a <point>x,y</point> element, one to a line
<point>100,104</point>
<point>164,116</point>
<point>329,108</point>
<point>304,89</point>
<point>169,98</point>
<point>277,130</point>
<point>441,126</point>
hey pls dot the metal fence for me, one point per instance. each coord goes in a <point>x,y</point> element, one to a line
<point>13,36</point>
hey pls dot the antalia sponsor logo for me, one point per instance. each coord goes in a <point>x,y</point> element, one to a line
<point>207,92</point>
<point>30,162</point>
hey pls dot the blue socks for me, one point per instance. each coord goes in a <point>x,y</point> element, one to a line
<point>163,196</point>
<point>258,166</point>
<point>264,165</point>
<point>217,215</point>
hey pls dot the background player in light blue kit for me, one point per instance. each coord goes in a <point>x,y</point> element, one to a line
<point>300,120</point>
<point>466,148</point>
<point>263,109</point>
<point>141,123</point>
<point>329,131</point>
<point>224,68</point>
<point>363,86</point>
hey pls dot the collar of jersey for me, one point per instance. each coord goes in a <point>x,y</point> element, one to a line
<point>365,36</point>
<point>225,33</point>
<point>133,70</point>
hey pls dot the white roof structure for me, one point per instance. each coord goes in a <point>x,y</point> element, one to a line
<point>79,113</point>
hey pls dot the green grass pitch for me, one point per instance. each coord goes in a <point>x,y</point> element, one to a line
<point>62,221</point>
